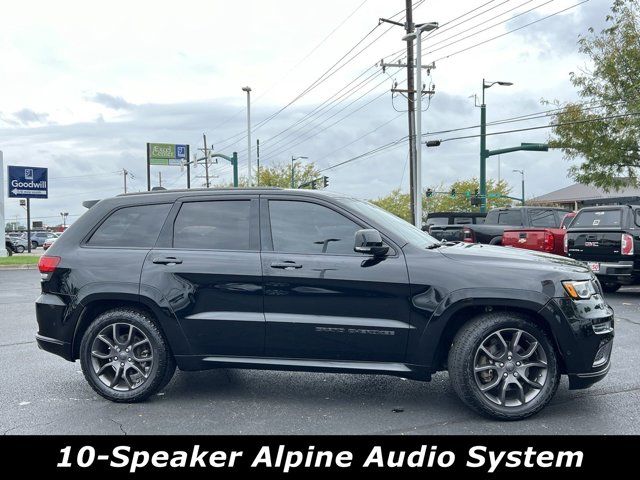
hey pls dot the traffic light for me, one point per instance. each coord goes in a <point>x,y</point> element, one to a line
<point>475,198</point>
<point>453,192</point>
<point>325,181</point>
<point>429,193</point>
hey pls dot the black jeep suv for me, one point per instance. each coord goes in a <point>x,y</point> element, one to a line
<point>302,280</point>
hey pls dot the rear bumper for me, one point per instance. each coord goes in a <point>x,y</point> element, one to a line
<point>618,272</point>
<point>54,330</point>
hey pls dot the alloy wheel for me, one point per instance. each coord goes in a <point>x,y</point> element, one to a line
<point>122,356</point>
<point>510,367</point>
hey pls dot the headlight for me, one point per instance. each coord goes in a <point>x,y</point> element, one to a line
<point>579,290</point>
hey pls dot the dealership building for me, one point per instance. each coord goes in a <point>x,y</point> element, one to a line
<point>578,195</point>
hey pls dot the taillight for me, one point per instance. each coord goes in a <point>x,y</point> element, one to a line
<point>468,236</point>
<point>548,242</point>
<point>566,243</point>
<point>627,244</point>
<point>48,264</point>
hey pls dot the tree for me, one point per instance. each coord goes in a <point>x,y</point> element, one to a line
<point>610,88</point>
<point>279,175</point>
<point>398,202</point>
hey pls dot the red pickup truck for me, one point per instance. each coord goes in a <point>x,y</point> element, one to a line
<point>549,240</point>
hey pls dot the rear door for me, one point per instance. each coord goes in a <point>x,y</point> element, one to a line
<point>596,235</point>
<point>206,268</point>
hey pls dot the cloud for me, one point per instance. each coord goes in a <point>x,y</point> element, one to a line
<point>27,116</point>
<point>111,101</point>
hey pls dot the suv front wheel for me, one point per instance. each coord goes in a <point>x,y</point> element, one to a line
<point>125,357</point>
<point>503,366</point>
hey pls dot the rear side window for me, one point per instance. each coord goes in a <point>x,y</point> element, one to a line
<point>543,218</point>
<point>438,221</point>
<point>510,217</point>
<point>213,225</point>
<point>598,219</point>
<point>137,226</point>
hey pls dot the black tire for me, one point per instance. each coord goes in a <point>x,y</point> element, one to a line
<point>496,241</point>
<point>610,287</point>
<point>162,366</point>
<point>462,362</point>
<point>19,249</point>
<point>34,245</point>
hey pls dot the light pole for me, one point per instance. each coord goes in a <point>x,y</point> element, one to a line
<point>293,168</point>
<point>64,216</point>
<point>248,90</point>
<point>483,143</point>
<point>521,172</point>
<point>417,190</point>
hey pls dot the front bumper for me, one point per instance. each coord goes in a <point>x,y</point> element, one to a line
<point>584,332</point>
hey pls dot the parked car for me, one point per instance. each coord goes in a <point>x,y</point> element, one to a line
<point>47,243</point>
<point>607,238</point>
<point>313,281</point>
<point>449,226</point>
<point>19,243</point>
<point>8,245</point>
<point>509,218</point>
<point>38,238</point>
<point>549,240</point>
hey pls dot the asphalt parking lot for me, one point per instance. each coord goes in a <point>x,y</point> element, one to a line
<point>43,394</point>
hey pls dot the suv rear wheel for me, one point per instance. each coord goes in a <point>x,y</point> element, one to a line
<point>503,366</point>
<point>125,357</point>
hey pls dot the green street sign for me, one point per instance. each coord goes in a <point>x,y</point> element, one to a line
<point>166,154</point>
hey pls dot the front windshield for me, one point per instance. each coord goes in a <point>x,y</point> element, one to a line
<point>389,221</point>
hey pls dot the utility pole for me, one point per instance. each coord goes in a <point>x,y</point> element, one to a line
<point>257,162</point>
<point>206,159</point>
<point>125,172</point>
<point>248,90</point>
<point>411,97</point>
<point>159,179</point>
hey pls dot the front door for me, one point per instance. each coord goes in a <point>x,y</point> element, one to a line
<point>207,269</point>
<point>323,300</point>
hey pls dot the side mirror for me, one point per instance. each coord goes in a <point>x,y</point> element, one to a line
<point>370,241</point>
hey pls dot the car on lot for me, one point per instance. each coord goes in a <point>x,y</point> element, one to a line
<point>306,280</point>
<point>38,238</point>
<point>449,226</point>
<point>607,238</point>
<point>48,242</point>
<point>19,243</point>
<point>509,218</point>
<point>8,245</point>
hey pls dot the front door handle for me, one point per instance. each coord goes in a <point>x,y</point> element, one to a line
<point>167,260</point>
<point>286,265</point>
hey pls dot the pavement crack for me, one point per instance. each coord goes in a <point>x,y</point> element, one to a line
<point>627,320</point>
<point>119,425</point>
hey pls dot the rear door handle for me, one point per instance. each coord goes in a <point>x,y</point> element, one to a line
<point>286,265</point>
<point>167,260</point>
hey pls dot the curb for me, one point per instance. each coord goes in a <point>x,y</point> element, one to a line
<point>19,267</point>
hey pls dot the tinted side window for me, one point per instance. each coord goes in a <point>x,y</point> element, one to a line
<point>437,221</point>
<point>463,220</point>
<point>303,227</point>
<point>543,218</point>
<point>510,217</point>
<point>213,225</point>
<point>137,226</point>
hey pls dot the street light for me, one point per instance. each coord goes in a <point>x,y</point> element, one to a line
<point>483,142</point>
<point>417,191</point>
<point>521,172</point>
<point>64,219</point>
<point>293,167</point>
<point>248,90</point>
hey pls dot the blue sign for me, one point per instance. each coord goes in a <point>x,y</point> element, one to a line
<point>28,182</point>
<point>181,151</point>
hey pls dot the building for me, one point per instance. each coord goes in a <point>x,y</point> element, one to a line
<point>574,196</point>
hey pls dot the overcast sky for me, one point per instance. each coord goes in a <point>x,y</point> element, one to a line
<point>85,85</point>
